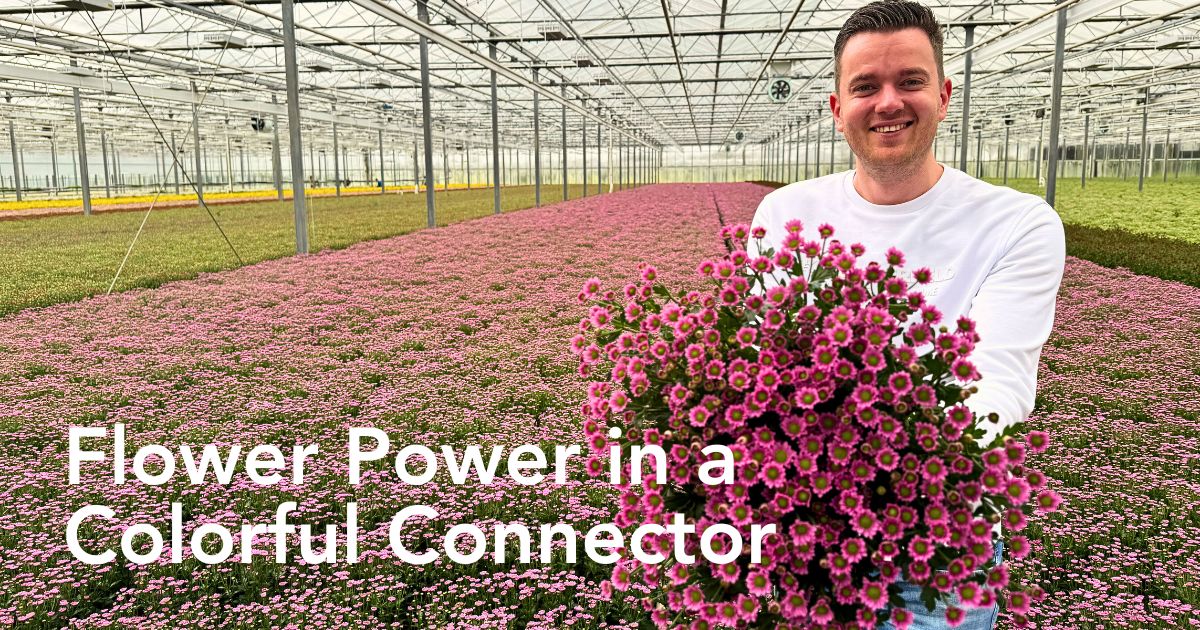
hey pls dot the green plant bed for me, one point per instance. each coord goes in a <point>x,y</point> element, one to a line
<point>1168,209</point>
<point>65,258</point>
<point>1166,258</point>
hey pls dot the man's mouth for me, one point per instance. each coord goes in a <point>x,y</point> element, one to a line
<point>892,128</point>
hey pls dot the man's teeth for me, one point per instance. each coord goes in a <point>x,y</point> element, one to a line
<point>891,128</point>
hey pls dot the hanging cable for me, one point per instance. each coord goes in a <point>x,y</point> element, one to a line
<point>163,138</point>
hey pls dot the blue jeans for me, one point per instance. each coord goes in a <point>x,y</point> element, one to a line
<point>975,619</point>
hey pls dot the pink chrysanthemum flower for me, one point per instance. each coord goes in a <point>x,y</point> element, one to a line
<point>873,595</point>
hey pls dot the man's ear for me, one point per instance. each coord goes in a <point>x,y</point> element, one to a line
<point>944,96</point>
<point>835,106</point>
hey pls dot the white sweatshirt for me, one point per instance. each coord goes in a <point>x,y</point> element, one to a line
<point>997,256</point>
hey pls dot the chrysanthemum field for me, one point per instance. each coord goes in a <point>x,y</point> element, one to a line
<point>459,336</point>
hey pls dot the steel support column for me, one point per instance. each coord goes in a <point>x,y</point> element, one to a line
<point>1041,136</point>
<point>1006,130</point>
<point>229,162</point>
<point>1166,152</point>
<point>276,156</point>
<point>1145,120</point>
<point>966,107</point>
<point>979,151</point>
<point>295,147</point>
<point>416,166</point>
<point>583,135</point>
<point>54,163</point>
<point>564,143</point>
<point>198,176</point>
<point>1087,125</point>
<point>620,161</point>
<point>337,167</point>
<point>495,136</point>
<point>445,165</point>
<point>1056,105</point>
<point>1125,154</point>
<point>426,115</point>
<point>176,162</point>
<point>807,132</point>
<point>537,146</point>
<point>103,161</point>
<point>599,168</point>
<point>817,151</point>
<point>82,148</point>
<point>382,170</point>
<point>832,145</point>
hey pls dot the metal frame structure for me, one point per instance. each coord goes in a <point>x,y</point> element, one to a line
<point>661,81</point>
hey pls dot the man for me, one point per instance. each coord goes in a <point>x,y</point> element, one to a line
<point>997,255</point>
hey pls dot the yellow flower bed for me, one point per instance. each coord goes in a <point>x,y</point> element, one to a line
<point>77,202</point>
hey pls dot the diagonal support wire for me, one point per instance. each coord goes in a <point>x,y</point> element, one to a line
<point>174,158</point>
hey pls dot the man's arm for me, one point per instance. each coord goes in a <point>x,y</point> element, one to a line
<point>1014,313</point>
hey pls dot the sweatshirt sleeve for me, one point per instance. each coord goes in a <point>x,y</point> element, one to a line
<point>1014,313</point>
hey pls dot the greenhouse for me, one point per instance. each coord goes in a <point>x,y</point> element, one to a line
<point>254,226</point>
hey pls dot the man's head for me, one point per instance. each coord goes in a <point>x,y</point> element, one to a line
<point>889,16</point>
<point>890,90</point>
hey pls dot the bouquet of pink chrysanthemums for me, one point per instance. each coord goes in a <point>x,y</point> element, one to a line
<point>839,394</point>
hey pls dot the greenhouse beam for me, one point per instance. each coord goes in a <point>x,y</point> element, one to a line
<point>295,149</point>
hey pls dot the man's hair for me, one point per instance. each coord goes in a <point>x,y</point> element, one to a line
<point>888,16</point>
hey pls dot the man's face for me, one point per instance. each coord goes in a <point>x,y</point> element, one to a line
<point>889,100</point>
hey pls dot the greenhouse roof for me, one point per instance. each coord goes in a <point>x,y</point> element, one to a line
<point>691,72</point>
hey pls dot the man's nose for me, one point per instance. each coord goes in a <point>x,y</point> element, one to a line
<point>888,100</point>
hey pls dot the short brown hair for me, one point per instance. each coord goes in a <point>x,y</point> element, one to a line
<point>888,16</point>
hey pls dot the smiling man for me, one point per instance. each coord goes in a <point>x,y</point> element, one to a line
<point>997,255</point>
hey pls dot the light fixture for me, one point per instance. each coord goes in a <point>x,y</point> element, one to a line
<point>86,5</point>
<point>225,40</point>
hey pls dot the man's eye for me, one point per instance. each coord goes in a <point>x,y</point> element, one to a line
<point>861,88</point>
<point>914,83</point>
